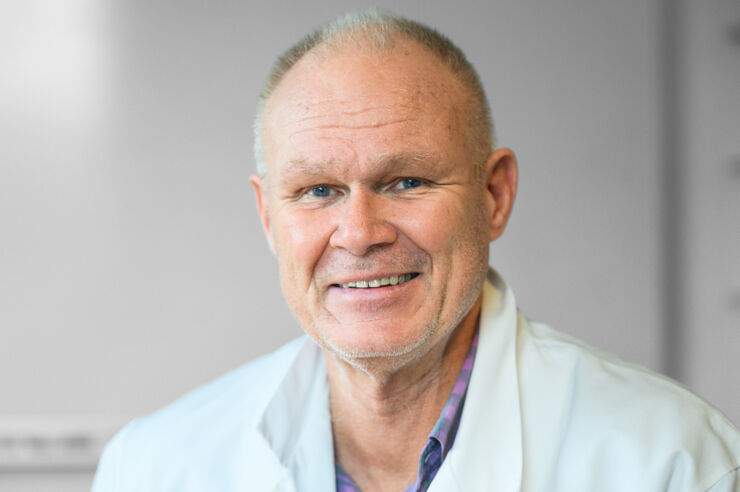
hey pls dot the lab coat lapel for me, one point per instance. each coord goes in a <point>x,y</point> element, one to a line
<point>293,437</point>
<point>487,453</point>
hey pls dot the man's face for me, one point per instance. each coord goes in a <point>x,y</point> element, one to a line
<point>371,203</point>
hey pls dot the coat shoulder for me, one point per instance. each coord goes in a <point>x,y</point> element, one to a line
<point>198,427</point>
<point>625,413</point>
<point>613,377</point>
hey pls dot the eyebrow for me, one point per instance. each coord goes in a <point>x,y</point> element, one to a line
<point>384,163</point>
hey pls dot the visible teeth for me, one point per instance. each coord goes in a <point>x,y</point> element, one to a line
<point>378,282</point>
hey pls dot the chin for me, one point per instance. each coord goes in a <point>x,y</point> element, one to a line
<point>372,351</point>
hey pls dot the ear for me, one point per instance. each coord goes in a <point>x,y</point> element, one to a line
<point>500,179</point>
<point>259,183</point>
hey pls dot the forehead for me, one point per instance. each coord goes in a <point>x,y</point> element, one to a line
<point>402,96</point>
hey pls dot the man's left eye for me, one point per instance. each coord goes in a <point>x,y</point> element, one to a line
<point>408,183</point>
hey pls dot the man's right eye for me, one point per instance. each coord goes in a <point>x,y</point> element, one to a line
<point>320,191</point>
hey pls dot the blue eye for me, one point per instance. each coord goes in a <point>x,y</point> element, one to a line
<point>408,183</point>
<point>320,191</point>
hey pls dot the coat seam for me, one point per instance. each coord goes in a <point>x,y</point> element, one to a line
<point>724,475</point>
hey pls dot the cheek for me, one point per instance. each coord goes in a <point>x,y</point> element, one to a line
<point>436,226</point>
<point>300,239</point>
<point>452,233</point>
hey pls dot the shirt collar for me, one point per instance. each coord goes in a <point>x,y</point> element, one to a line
<point>445,429</point>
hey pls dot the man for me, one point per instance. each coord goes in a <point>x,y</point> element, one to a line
<point>380,190</point>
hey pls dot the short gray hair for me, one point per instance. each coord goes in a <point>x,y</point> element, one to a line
<point>375,29</point>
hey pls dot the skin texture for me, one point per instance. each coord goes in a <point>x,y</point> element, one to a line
<point>370,176</point>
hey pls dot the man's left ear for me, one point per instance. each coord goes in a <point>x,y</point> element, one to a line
<point>500,177</point>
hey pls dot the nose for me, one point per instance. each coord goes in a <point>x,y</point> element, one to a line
<point>362,224</point>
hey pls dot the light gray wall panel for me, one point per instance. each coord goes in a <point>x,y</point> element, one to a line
<point>712,74</point>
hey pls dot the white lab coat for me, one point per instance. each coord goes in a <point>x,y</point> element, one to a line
<point>543,412</point>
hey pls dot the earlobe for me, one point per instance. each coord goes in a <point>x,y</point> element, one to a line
<point>259,183</point>
<point>500,179</point>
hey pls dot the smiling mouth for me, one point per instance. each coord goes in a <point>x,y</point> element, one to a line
<point>378,282</point>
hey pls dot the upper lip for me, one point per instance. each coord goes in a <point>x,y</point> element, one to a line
<point>366,277</point>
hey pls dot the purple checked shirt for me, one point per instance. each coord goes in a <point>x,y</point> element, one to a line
<point>440,439</point>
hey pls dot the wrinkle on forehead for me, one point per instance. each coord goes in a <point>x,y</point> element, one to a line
<point>316,105</point>
<point>299,106</point>
<point>383,163</point>
<point>374,124</point>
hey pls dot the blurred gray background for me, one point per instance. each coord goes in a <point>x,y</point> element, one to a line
<point>132,264</point>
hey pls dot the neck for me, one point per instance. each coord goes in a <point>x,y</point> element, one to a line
<point>381,420</point>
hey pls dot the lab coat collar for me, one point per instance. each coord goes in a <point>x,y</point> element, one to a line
<point>293,437</point>
<point>487,454</point>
